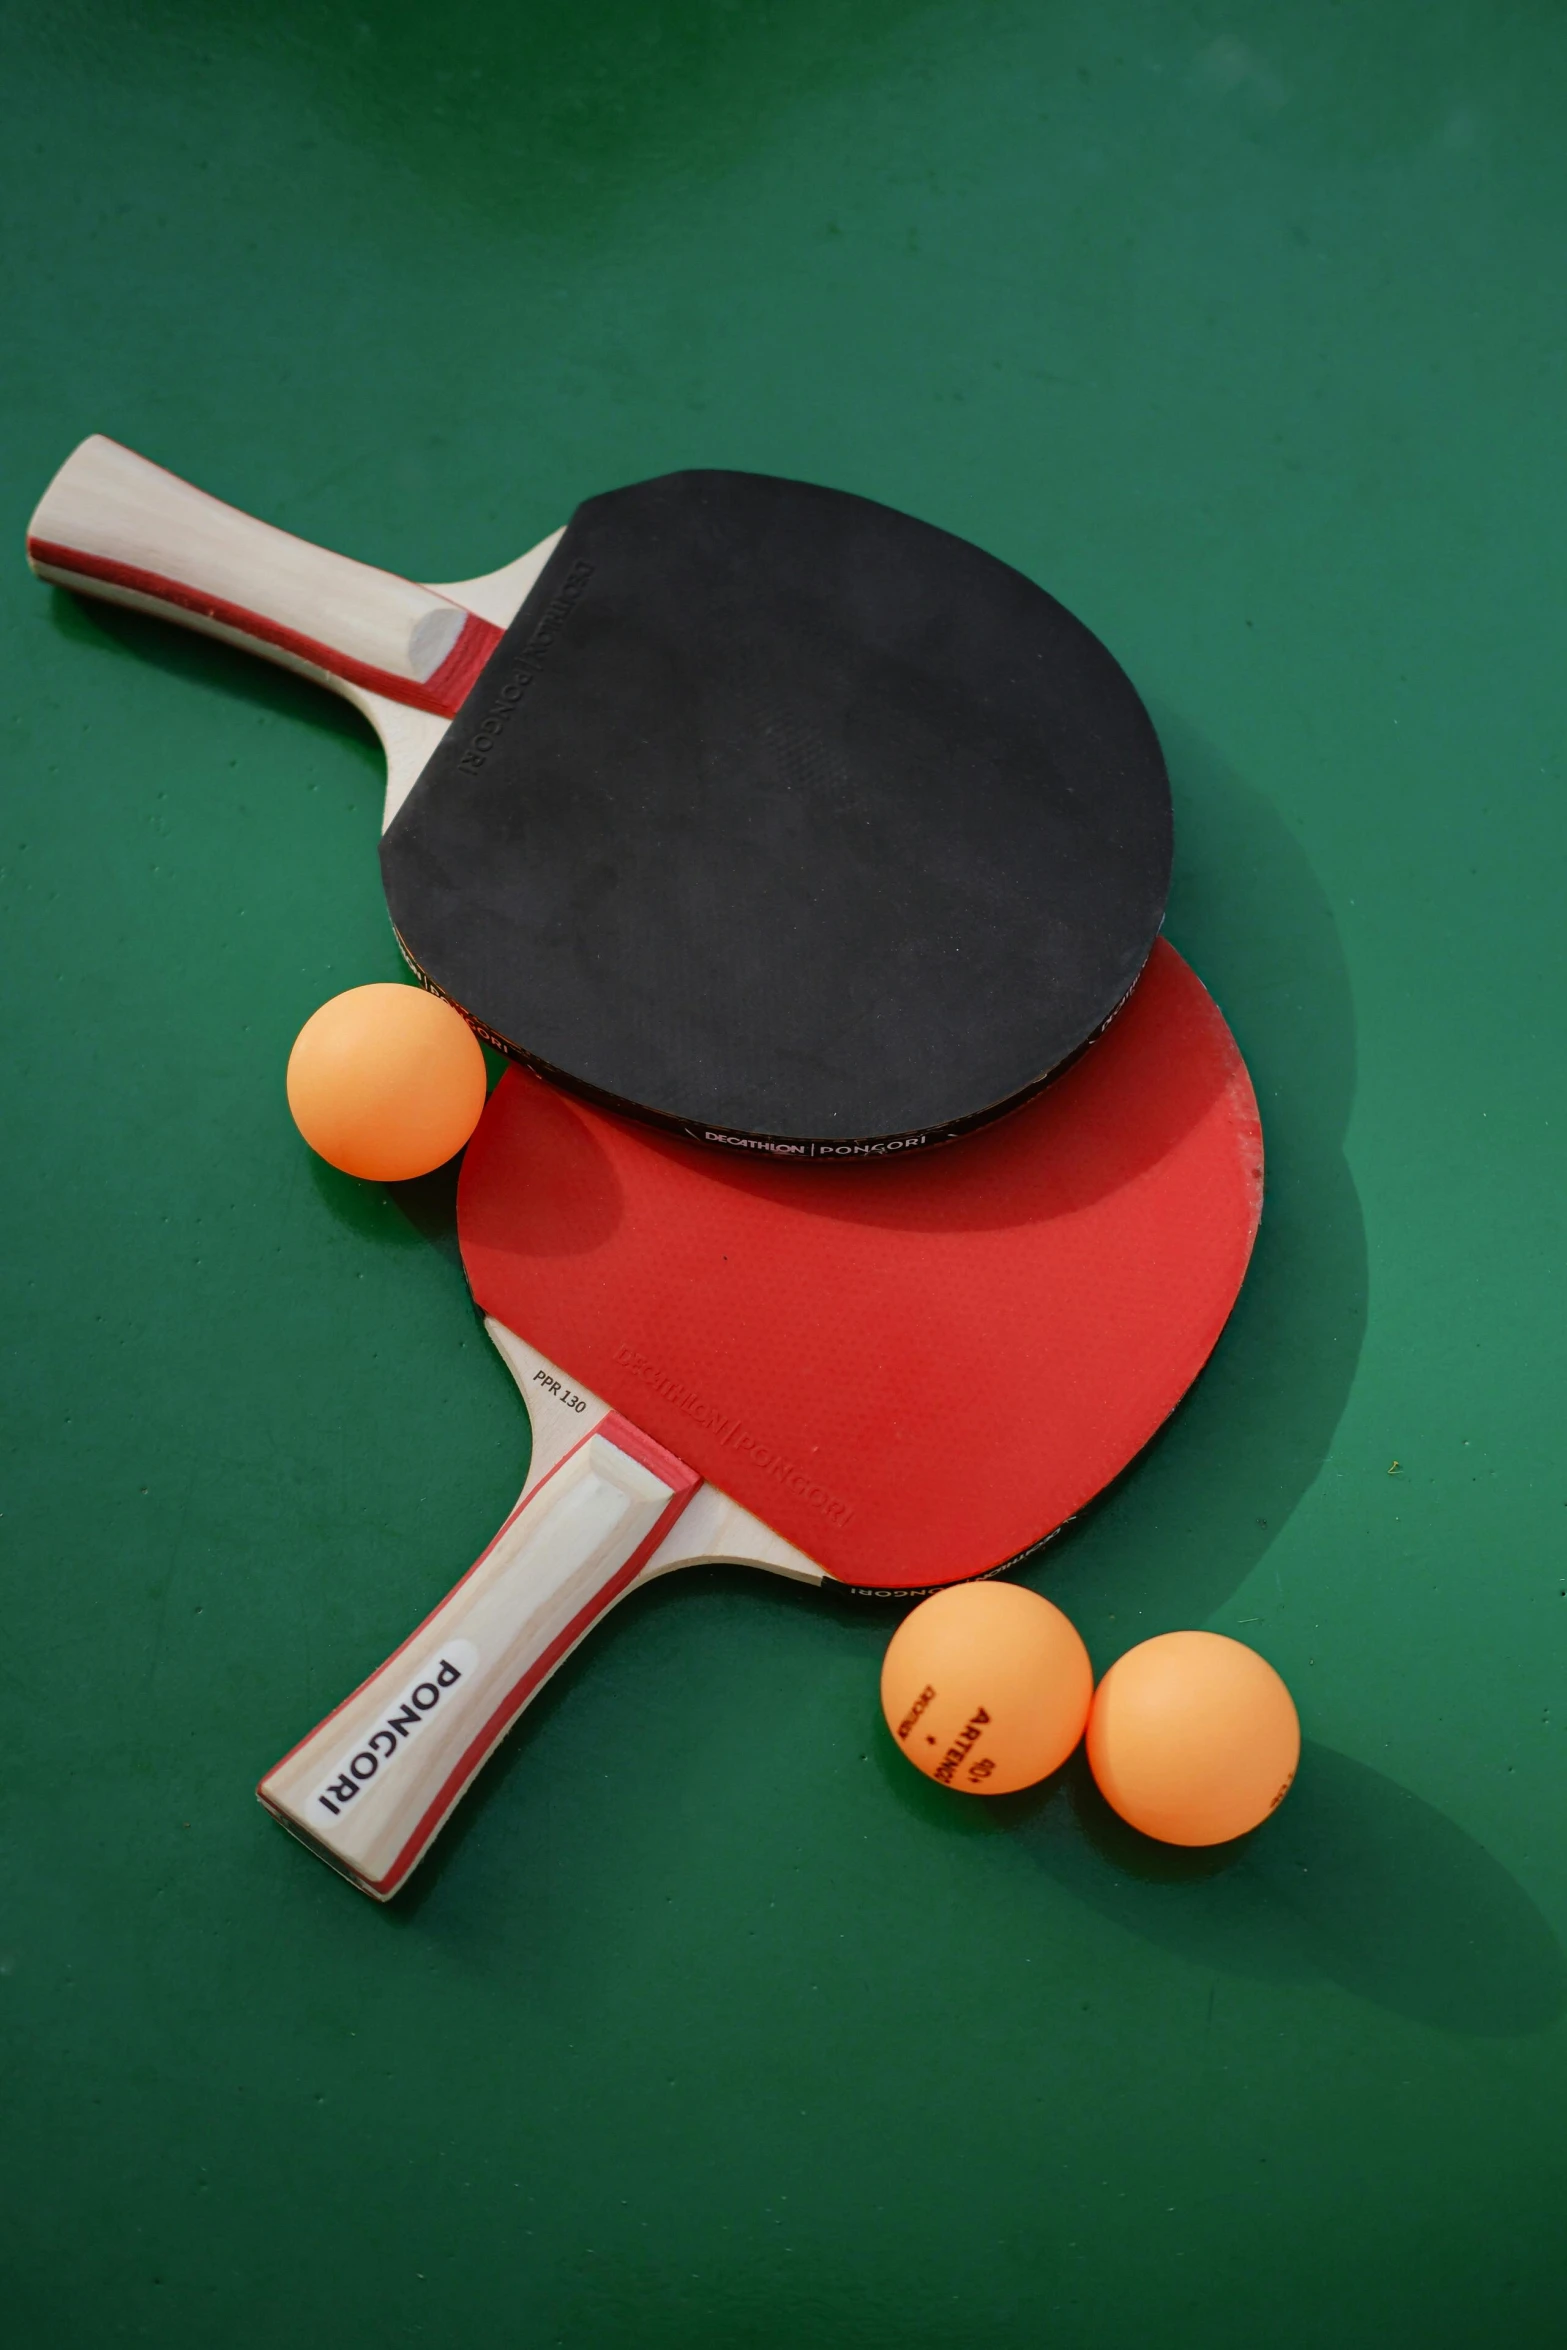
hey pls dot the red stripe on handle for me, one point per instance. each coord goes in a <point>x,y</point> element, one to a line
<point>670,1471</point>
<point>443,693</point>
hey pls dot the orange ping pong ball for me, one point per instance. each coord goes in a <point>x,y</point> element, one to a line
<point>986,1687</point>
<point>1193,1738</point>
<point>386,1081</point>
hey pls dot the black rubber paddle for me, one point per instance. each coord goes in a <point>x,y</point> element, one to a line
<point>755,809</point>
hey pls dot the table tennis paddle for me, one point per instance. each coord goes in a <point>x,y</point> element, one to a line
<point>753,808</point>
<point>887,1378</point>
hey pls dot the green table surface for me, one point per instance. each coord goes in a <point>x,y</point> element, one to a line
<point>1240,328</point>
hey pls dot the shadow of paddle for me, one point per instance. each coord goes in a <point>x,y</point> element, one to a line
<point>1198,1510</point>
<point>209,663</point>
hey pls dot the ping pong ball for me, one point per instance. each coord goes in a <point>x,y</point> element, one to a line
<point>386,1081</point>
<point>986,1687</point>
<point>1193,1738</point>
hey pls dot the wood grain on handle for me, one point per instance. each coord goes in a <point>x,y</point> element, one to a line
<point>371,1787</point>
<point>114,525</point>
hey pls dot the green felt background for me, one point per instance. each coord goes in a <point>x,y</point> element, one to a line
<point>1241,328</point>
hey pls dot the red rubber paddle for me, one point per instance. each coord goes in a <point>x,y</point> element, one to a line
<point>890,1377</point>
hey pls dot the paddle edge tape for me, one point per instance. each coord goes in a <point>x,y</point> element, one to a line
<point>770,1146</point>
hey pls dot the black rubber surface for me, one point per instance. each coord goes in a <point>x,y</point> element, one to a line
<point>779,815</point>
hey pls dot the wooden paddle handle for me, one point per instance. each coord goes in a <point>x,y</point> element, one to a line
<point>372,1786</point>
<point>114,525</point>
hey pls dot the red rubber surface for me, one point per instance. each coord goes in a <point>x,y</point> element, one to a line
<point>913,1370</point>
